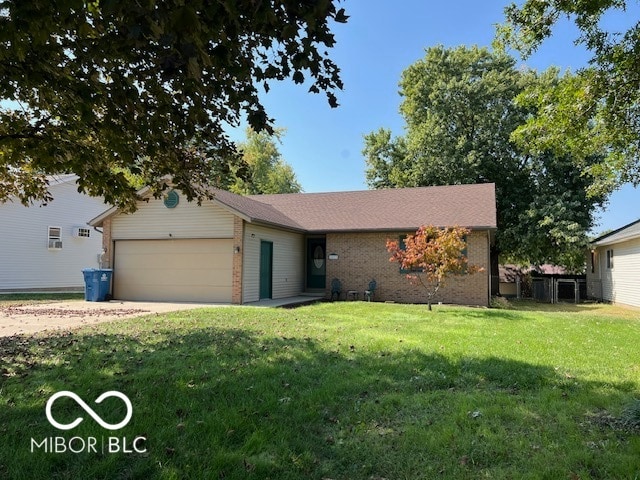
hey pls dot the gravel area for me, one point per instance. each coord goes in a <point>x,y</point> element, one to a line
<point>28,318</point>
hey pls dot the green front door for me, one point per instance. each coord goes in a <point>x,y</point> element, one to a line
<point>266,269</point>
<point>316,263</point>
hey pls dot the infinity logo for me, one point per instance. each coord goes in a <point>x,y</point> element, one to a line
<point>88,409</point>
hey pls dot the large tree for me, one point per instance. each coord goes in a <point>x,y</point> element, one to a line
<point>267,172</point>
<point>459,109</point>
<point>102,88</point>
<point>598,108</point>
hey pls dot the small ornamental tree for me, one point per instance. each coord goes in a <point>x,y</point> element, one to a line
<point>432,254</point>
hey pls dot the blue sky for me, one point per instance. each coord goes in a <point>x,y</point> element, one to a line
<point>381,39</point>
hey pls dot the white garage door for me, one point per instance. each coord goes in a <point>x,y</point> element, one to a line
<point>173,270</point>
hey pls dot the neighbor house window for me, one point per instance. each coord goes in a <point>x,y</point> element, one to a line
<point>609,258</point>
<point>55,240</point>
<point>82,232</point>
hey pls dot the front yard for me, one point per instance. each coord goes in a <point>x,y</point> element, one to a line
<point>332,391</point>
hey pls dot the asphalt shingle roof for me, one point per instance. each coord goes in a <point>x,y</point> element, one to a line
<point>472,206</point>
<point>628,232</point>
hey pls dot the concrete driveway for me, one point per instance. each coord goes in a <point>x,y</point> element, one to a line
<point>17,319</point>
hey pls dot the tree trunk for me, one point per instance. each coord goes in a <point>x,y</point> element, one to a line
<point>429,305</point>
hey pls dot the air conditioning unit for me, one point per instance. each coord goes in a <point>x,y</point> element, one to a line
<point>81,232</point>
<point>55,244</point>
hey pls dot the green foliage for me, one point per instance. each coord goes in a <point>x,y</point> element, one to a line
<point>460,112</point>
<point>596,110</point>
<point>501,303</point>
<point>267,172</point>
<point>107,89</point>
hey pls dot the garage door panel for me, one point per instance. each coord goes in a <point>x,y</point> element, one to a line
<point>182,294</point>
<point>141,247</point>
<point>179,279</point>
<point>162,262</point>
<point>174,270</point>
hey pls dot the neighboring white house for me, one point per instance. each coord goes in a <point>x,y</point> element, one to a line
<point>613,266</point>
<point>46,247</point>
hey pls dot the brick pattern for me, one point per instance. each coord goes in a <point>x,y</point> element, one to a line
<point>238,238</point>
<point>107,244</point>
<point>363,257</point>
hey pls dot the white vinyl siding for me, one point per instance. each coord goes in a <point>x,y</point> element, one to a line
<point>288,262</point>
<point>609,258</point>
<point>153,220</point>
<point>198,270</point>
<point>621,284</point>
<point>26,261</point>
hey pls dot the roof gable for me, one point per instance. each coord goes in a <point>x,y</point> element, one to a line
<point>400,209</point>
<point>628,232</point>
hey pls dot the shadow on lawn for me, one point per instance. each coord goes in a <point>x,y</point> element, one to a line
<point>225,403</point>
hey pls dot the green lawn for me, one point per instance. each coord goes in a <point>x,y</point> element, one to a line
<point>335,391</point>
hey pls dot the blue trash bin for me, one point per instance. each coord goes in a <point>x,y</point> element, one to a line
<point>97,284</point>
<point>91,285</point>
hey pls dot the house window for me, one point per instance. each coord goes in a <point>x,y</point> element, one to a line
<point>55,240</point>
<point>82,232</point>
<point>404,247</point>
<point>609,258</point>
<point>464,253</point>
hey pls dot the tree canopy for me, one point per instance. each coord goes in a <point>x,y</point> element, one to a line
<point>267,170</point>
<point>460,112</point>
<point>101,88</point>
<point>597,109</point>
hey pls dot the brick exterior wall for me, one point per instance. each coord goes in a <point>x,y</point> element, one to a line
<point>107,244</point>
<point>238,238</point>
<point>363,257</point>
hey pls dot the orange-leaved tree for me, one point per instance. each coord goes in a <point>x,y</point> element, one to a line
<point>432,254</point>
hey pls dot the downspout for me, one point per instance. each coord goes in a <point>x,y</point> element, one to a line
<point>103,251</point>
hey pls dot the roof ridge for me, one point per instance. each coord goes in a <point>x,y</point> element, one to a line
<point>368,190</point>
<point>58,179</point>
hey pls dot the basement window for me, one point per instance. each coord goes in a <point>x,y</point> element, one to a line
<point>55,239</point>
